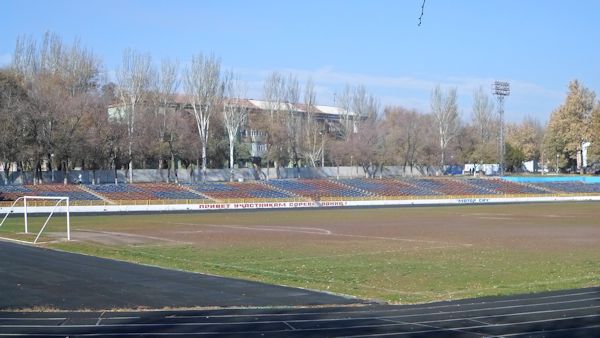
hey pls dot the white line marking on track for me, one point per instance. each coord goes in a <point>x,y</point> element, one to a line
<point>470,327</point>
<point>33,319</point>
<point>547,332</point>
<point>100,318</point>
<point>290,326</point>
<point>435,308</point>
<point>392,323</point>
<point>503,315</point>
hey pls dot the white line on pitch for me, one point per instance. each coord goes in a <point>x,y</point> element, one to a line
<point>305,230</point>
<point>328,233</point>
<point>133,235</point>
<point>15,240</point>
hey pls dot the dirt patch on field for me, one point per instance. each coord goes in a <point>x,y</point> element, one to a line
<point>532,226</point>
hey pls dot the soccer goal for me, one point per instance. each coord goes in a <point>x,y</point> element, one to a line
<point>28,209</point>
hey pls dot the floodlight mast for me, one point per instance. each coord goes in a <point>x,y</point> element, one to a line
<point>501,90</point>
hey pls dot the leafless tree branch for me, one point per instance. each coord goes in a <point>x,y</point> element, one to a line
<point>422,11</point>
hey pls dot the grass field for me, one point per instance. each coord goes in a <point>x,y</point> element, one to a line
<point>398,255</point>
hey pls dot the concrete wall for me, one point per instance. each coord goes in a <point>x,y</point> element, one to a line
<point>212,175</point>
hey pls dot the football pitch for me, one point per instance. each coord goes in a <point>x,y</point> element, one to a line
<point>398,255</point>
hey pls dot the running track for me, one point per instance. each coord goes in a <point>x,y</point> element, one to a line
<point>569,313</point>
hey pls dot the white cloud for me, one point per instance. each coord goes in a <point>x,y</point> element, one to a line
<point>526,98</point>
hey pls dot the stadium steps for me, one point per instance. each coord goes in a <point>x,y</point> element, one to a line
<point>190,189</point>
<point>549,190</point>
<point>413,182</point>
<point>491,191</point>
<point>347,186</point>
<point>92,192</point>
<point>283,191</point>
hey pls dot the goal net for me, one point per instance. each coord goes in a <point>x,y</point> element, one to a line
<point>51,205</point>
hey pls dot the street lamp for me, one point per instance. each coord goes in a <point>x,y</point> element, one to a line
<point>557,156</point>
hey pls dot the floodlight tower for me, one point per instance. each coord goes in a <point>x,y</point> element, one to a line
<point>501,90</point>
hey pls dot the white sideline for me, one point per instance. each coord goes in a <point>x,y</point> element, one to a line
<point>294,205</point>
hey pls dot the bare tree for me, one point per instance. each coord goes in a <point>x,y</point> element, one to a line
<point>314,133</point>
<point>205,92</point>
<point>235,112</point>
<point>274,125</point>
<point>444,110</point>
<point>13,103</point>
<point>60,81</point>
<point>365,137</point>
<point>104,136</point>
<point>367,146</point>
<point>274,94</point>
<point>365,106</point>
<point>344,101</point>
<point>165,109</point>
<point>406,128</point>
<point>292,118</point>
<point>133,84</point>
<point>484,124</point>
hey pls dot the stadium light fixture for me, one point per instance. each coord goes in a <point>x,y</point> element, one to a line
<point>501,90</point>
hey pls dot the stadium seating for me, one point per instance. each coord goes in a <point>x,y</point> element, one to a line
<point>452,187</point>
<point>569,187</point>
<point>503,187</point>
<point>144,191</point>
<point>317,188</point>
<point>389,187</point>
<point>11,193</point>
<point>354,188</point>
<point>236,190</point>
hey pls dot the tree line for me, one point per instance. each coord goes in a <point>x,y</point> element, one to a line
<point>55,102</point>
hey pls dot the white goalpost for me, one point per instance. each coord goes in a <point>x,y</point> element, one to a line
<point>37,209</point>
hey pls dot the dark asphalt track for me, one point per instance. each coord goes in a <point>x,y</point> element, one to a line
<point>33,277</point>
<point>568,313</point>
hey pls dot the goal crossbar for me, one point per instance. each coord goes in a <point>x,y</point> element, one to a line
<point>59,199</point>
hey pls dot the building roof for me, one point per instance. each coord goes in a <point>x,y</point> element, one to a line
<point>266,105</point>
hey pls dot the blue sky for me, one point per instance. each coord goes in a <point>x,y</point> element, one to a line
<point>536,45</point>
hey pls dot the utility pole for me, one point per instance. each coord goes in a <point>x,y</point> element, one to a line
<point>501,90</point>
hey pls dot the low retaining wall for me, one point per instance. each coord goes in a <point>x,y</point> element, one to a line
<point>293,205</point>
<point>212,175</point>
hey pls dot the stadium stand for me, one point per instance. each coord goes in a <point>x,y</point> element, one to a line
<point>352,188</point>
